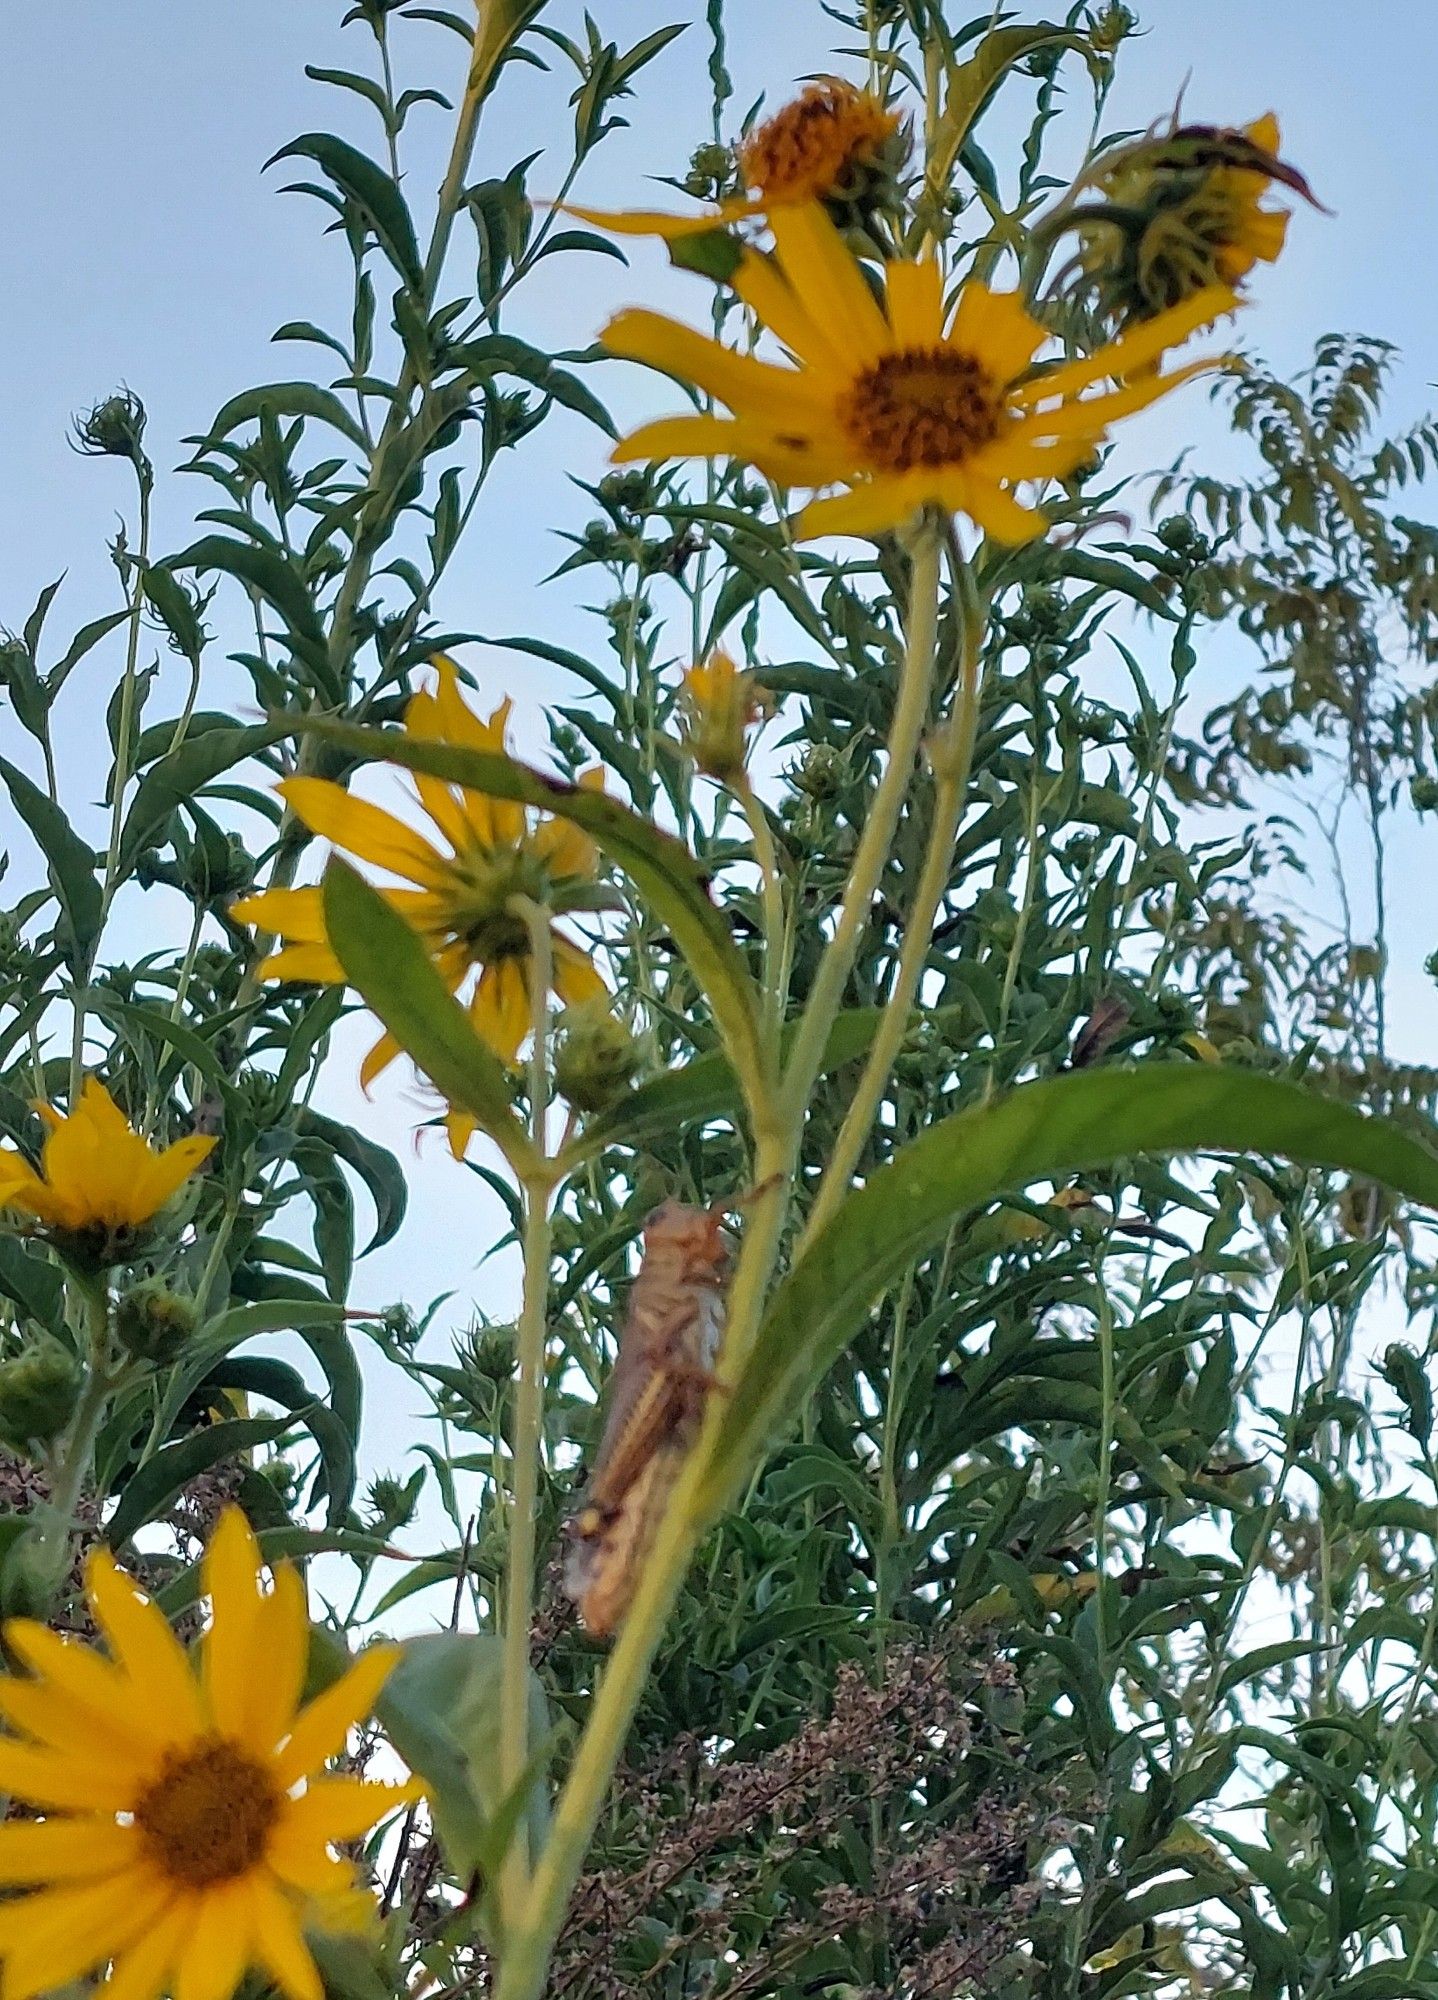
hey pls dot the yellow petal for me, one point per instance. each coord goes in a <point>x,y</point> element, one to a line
<point>1091,416</point>
<point>363,829</point>
<point>58,1722</point>
<point>20,1185</point>
<point>142,1642</point>
<point>999,514</point>
<point>995,329</point>
<point>874,508</point>
<point>86,1679</point>
<point>500,1008</point>
<point>748,386</point>
<point>315,964</point>
<point>460,1127</point>
<point>279,1945</point>
<point>766,291</point>
<point>229,1657</point>
<point>288,913</point>
<point>1139,349</point>
<point>1264,133</point>
<point>87,1847</point>
<point>799,456</point>
<point>321,1728</point>
<point>656,222</point>
<point>213,1957</point>
<point>166,1172</point>
<point>142,1972</point>
<point>335,1809</point>
<point>59,1783</point>
<point>283,1641</point>
<point>914,292</point>
<point>575,979</point>
<point>51,1938</point>
<point>821,269</point>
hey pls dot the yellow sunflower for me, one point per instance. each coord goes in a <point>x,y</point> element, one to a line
<point>484,852</point>
<point>97,1178</point>
<point>834,143</point>
<point>904,402</point>
<point>185,1834</point>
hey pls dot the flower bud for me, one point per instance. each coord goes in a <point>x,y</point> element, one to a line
<point>39,1389</point>
<point>154,1324</point>
<point>721,704</point>
<point>595,1056</point>
<point>114,428</point>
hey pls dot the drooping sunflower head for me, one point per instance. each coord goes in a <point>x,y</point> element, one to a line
<point>1180,212</point>
<point>98,1184</point>
<point>911,399</point>
<point>472,875</point>
<point>834,144</point>
<point>171,1837</point>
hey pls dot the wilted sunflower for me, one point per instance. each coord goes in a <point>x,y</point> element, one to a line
<point>721,705</point>
<point>834,143</point>
<point>1180,211</point>
<point>98,1182</point>
<point>905,403</point>
<point>477,856</point>
<point>177,1844</point>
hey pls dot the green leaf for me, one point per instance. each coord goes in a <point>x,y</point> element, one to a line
<point>662,869</point>
<point>440,1709</point>
<point>160,1478</point>
<point>970,85</point>
<point>388,966</point>
<point>376,1166</point>
<point>70,863</point>
<point>503,354</point>
<point>372,192</point>
<point>288,399</point>
<point>265,571</point>
<point>1041,1131</point>
<point>175,779</point>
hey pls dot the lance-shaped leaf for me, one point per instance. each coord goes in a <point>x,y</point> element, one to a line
<point>661,868</point>
<point>1041,1131</point>
<point>971,84</point>
<point>386,963</point>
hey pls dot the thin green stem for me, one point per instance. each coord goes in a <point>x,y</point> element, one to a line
<point>766,857</point>
<point>527,1437</point>
<point>910,715</point>
<point>73,1460</point>
<point>952,759</point>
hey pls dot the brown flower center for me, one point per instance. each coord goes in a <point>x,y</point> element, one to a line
<point>807,151</point>
<point>209,1814</point>
<point>923,406</point>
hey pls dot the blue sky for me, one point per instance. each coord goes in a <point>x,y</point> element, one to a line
<point>144,245</point>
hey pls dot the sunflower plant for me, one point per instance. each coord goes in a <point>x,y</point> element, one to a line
<point>952,1202</point>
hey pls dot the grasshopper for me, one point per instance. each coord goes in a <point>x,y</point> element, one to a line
<point>664,1371</point>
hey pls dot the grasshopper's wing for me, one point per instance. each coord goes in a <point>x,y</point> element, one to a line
<point>639,1424</point>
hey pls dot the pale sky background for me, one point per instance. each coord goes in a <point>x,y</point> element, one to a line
<point>144,245</point>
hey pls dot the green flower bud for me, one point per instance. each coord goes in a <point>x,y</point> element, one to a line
<point>114,428</point>
<point>152,1323</point>
<point>38,1393</point>
<point>595,1056</point>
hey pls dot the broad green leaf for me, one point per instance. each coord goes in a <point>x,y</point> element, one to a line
<point>1041,1131</point>
<point>386,963</point>
<point>662,869</point>
<point>376,1166</point>
<point>150,1490</point>
<point>275,578</point>
<point>70,863</point>
<point>970,85</point>
<point>440,1709</point>
<point>371,191</point>
<point>288,399</point>
<point>503,354</point>
<point>174,779</point>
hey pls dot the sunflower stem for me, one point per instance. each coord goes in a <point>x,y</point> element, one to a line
<point>529,1402</point>
<point>951,757</point>
<point>906,732</point>
<point>529,1945</point>
<point>775,954</point>
<point>76,1451</point>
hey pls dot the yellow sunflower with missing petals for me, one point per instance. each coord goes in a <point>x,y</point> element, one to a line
<point>97,1179</point>
<point>187,1830</point>
<point>905,402</point>
<point>835,143</point>
<point>465,872</point>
